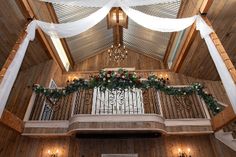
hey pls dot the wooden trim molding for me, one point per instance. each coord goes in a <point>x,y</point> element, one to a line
<point>12,121</point>
<point>117,123</point>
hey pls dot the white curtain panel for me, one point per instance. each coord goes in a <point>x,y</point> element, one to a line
<point>225,76</point>
<point>13,69</point>
<point>101,3</point>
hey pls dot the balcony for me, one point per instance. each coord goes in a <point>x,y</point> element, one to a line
<point>92,110</point>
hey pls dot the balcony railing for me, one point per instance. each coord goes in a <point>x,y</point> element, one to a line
<point>127,102</point>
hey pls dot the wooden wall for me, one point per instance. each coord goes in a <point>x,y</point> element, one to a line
<point>12,145</point>
<point>12,22</point>
<point>134,60</point>
<point>22,89</point>
<point>198,62</point>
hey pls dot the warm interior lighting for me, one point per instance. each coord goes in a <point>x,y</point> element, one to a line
<point>53,153</point>
<point>182,153</point>
<point>61,52</point>
<point>121,17</point>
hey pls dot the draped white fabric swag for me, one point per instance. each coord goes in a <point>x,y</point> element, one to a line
<point>154,23</point>
<point>101,3</point>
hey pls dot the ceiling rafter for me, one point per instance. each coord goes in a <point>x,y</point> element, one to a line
<point>29,13</point>
<point>205,6</point>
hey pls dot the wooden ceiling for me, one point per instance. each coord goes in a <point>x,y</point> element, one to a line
<point>98,38</point>
<point>197,62</point>
<point>12,22</point>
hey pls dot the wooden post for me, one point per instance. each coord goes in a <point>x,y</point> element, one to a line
<point>30,107</point>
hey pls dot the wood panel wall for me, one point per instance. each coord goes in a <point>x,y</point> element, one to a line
<point>12,145</point>
<point>22,89</point>
<point>134,60</point>
<point>12,22</point>
<point>198,62</point>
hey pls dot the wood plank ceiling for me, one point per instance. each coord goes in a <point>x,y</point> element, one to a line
<point>12,22</point>
<point>98,38</point>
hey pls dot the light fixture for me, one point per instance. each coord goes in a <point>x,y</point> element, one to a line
<point>164,77</point>
<point>182,153</point>
<point>61,52</point>
<point>53,153</point>
<point>117,17</point>
<point>117,53</point>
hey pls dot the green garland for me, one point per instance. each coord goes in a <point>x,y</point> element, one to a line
<point>122,80</point>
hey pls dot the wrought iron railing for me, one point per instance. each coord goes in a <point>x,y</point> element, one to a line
<point>126,102</point>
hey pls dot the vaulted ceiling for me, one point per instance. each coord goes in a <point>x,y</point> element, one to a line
<point>197,62</point>
<point>100,37</point>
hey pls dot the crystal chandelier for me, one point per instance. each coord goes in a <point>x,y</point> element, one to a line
<point>117,53</point>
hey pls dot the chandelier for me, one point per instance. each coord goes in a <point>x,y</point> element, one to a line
<point>117,53</point>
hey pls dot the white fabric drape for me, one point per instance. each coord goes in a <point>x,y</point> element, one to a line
<point>154,23</point>
<point>157,23</point>
<point>70,29</point>
<point>101,3</point>
<point>225,76</point>
<point>13,69</point>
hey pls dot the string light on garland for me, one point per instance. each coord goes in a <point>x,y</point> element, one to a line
<point>122,79</point>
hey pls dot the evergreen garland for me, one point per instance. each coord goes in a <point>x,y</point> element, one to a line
<point>122,80</point>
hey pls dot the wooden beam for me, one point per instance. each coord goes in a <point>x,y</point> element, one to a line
<point>206,4</point>
<point>173,36</point>
<point>53,15</point>
<point>12,121</point>
<point>168,49</point>
<point>222,52</point>
<point>29,14</point>
<point>190,38</point>
<point>223,118</point>
<point>13,53</point>
<point>185,48</point>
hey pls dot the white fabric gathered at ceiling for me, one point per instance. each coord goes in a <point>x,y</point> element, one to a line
<point>101,3</point>
<point>70,29</point>
<point>155,23</point>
